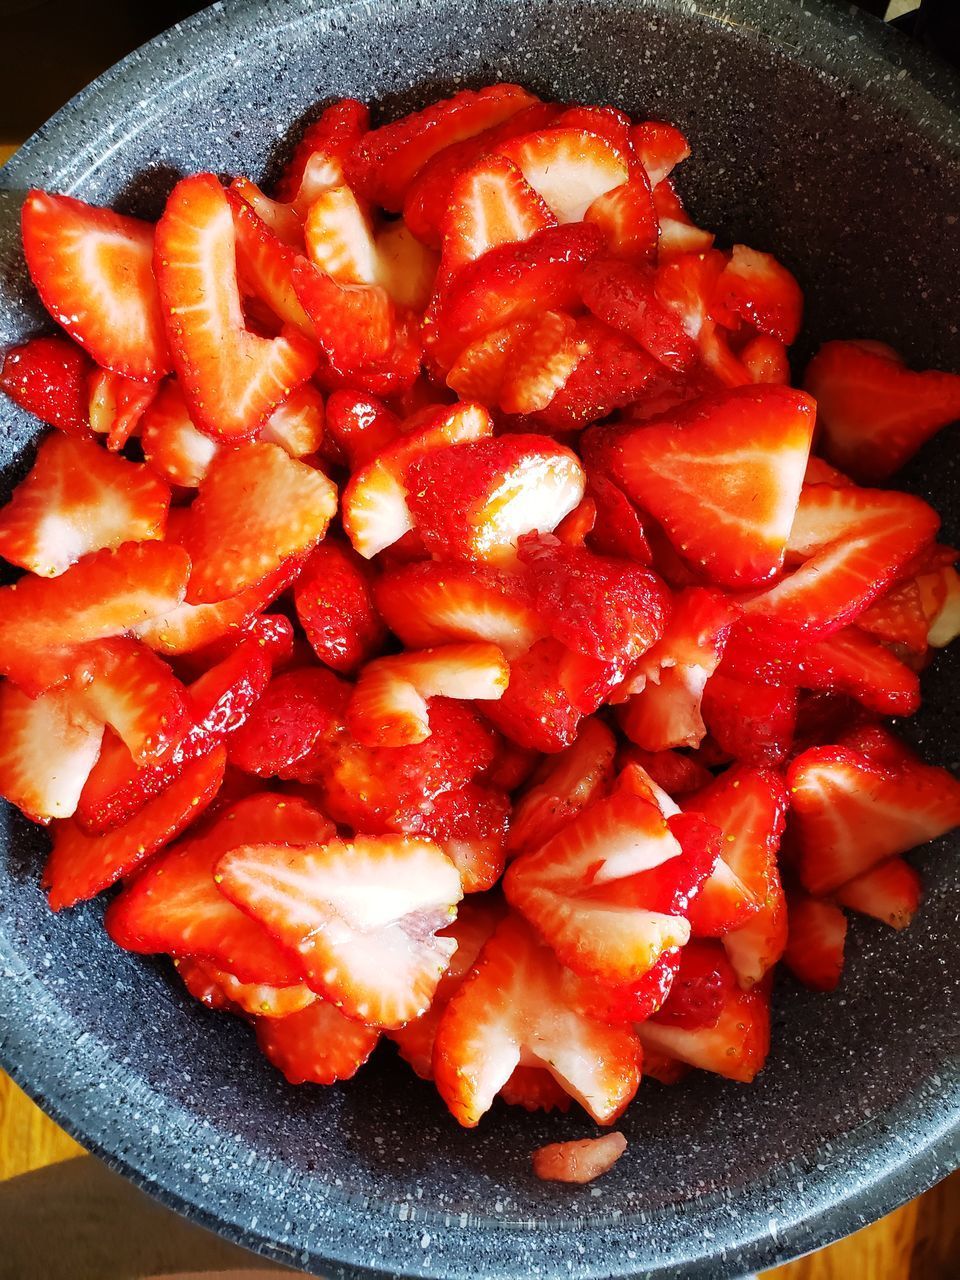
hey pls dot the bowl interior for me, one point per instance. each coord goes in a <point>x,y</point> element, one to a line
<point>815,137</point>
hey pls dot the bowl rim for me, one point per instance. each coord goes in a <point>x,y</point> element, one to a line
<point>36,1035</point>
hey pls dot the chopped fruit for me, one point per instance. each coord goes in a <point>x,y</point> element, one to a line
<point>297,424</point>
<point>405,268</point>
<point>766,360</point>
<point>849,812</point>
<point>172,445</point>
<point>318,1045</point>
<point>174,904</point>
<point>535,1089</point>
<point>93,269</point>
<point>618,529</point>
<point>511,767</point>
<point>817,933</point>
<point>363,916</point>
<point>279,218</point>
<point>265,260</point>
<point>78,499</point>
<point>623,296</point>
<point>701,986</point>
<point>360,426</point>
<point>748,449</point>
<point>755,287</point>
<point>49,377</point>
<point>476,500</point>
<point>580,1161</point>
<point>514,1009</point>
<point>490,204</point>
<point>470,824</point>
<point>662,1068</point>
<point>80,865</point>
<point>660,147</point>
<point>335,605</point>
<point>479,371</point>
<point>750,721</point>
<point>677,774</point>
<point>628,219</point>
<point>389,705</point>
<point>117,404</point>
<point>298,710</point>
<point>539,708</point>
<point>678,235</point>
<point>541,364</point>
<point>439,601</point>
<point>633,1002</point>
<point>569,167</point>
<point>49,745</point>
<point>875,413</point>
<point>231,378</point>
<point>324,145</point>
<point>221,990</point>
<point>339,238</point>
<point>256,509</point>
<point>899,617</point>
<point>890,892</point>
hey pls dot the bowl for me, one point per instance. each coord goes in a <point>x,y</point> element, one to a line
<point>817,135</point>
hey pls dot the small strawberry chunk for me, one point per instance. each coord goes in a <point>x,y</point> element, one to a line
<point>623,296</point>
<point>298,710</point>
<point>541,364</point>
<point>890,891</point>
<point>321,151</point>
<point>221,990</point>
<point>817,933</point>
<point>626,216</point>
<point>49,377</point>
<point>335,605</point>
<point>490,204</point>
<point>752,722</point>
<point>297,425</point>
<point>660,147</point>
<point>580,1161</point>
<point>49,745</point>
<point>318,1045</point>
<point>470,825</point>
<point>360,426</point>
<point>535,1089</point>
<point>675,773</point>
<point>117,405</point>
<point>172,445</point>
<point>758,289</point>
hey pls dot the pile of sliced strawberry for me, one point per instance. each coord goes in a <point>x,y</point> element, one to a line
<point>433,620</point>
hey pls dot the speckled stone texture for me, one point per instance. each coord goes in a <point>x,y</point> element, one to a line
<point>816,135</point>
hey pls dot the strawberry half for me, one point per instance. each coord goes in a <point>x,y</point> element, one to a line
<point>890,891</point>
<point>93,269</point>
<point>817,933</point>
<point>78,499</point>
<point>231,378</point>
<point>318,1045</point>
<point>298,710</point>
<point>172,445</point>
<point>49,377</point>
<point>257,508</point>
<point>49,745</point>
<point>363,916</point>
<point>335,604</point>
<point>568,167</point>
<point>514,1009</point>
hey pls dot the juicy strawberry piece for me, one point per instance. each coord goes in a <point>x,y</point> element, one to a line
<point>221,990</point>
<point>541,365</point>
<point>231,378</point>
<point>849,812</point>
<point>735,1047</point>
<point>297,425</point>
<point>80,866</point>
<point>623,296</point>
<point>269,241</point>
<point>479,371</point>
<point>363,915</point>
<point>438,601</point>
<point>470,825</point>
<point>172,445</point>
<point>512,766</point>
<point>334,599</point>
<point>678,234</point>
<point>535,1089</point>
<point>280,219</point>
<point>660,148</point>
<point>514,1009</point>
<point>375,505</point>
<point>257,508</point>
<point>360,426</point>
<point>93,269</point>
<point>890,891</point>
<point>703,983</point>
<point>758,289</point>
<point>618,529</point>
<point>746,447</point>
<point>687,285</point>
<point>633,1002</point>
<point>821,472</point>
<point>626,216</point>
<point>318,1045</point>
<point>475,500</point>
<point>117,405</point>
<point>49,745</point>
<point>581,1161</point>
<point>765,360</point>
<point>568,167</point>
<point>818,931</point>
<point>899,617</point>
<point>563,786</point>
<point>752,722</point>
<point>389,705</point>
<point>405,267</point>
<point>339,238</point>
<point>272,633</point>
<point>298,709</point>
<point>489,205</point>
<point>673,772</point>
<point>326,141</point>
<point>174,904</point>
<point>221,700</point>
<point>203,983</point>
<point>78,499</point>
<point>104,594</point>
<point>49,377</point>
<point>662,1068</point>
<point>874,412</point>
<point>574,529</point>
<point>609,609</point>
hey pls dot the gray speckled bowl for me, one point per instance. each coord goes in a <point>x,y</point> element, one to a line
<point>817,135</point>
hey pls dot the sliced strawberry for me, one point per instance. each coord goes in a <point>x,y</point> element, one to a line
<point>581,1161</point>
<point>389,707</point>
<point>687,285</point>
<point>480,370</point>
<point>512,766</point>
<point>360,426</point>
<point>326,141</point>
<point>78,499</point>
<point>334,600</point>
<point>618,529</point>
<point>172,445</point>
<point>899,616</point>
<point>405,267</point>
<point>626,216</point>
<point>890,891</point>
<point>541,365</point>
<point>514,1009</point>
<point>298,709</point>
<point>439,601</point>
<point>633,1002</point>
<point>672,771</point>
<point>475,500</point>
<point>569,167</point>
<point>821,472</point>
<point>750,721</point>
<point>356,323</point>
<point>666,714</point>
<point>297,425</point>
<point>49,745</point>
<point>231,378</point>
<point>535,1089</point>
<point>268,249</point>
<point>49,377</point>
<point>80,866</point>
<point>256,509</point>
<point>273,635</point>
<point>117,404</point>
<point>490,204</point>
<point>221,990</point>
<point>818,931</point>
<point>623,296</point>
<point>203,983</point>
<point>660,148</point>
<point>662,1068</point>
<point>678,234</point>
<point>574,529</point>
<point>318,1045</point>
<point>339,238</point>
<point>470,825</point>
<point>765,360</point>
<point>874,412</point>
<point>93,269</point>
<point>280,218</point>
<point>849,812</point>
<point>104,594</point>
<point>758,289</point>
<point>945,619</point>
<point>363,916</point>
<point>703,983</point>
<point>174,904</point>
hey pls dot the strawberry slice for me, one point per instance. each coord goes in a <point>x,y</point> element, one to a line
<point>49,745</point>
<point>890,891</point>
<point>613,372</point>
<point>581,1161</point>
<point>104,594</point>
<point>363,915</point>
<point>279,218</point>
<point>385,161</point>
<point>221,990</point>
<point>873,411</point>
<point>476,500</point>
<point>335,605</point>
<point>81,866</point>
<point>480,370</point>
<point>172,445</point>
<point>675,773</point>
<point>297,425</point>
<point>438,601</point>
<point>93,269</point>
<point>339,238</point>
<point>269,243</point>
<point>297,710</point>
<point>747,448</point>
<point>569,167</point>
<point>623,296</point>
<point>703,983</point>
<point>678,234</point>
<point>512,766</point>
<point>117,405</point>
<point>470,825</point>
<point>515,1010</point>
<point>535,1089</point>
<point>849,811</point>
<point>761,291</point>
<point>634,1002</point>
<point>174,904</point>
<point>49,377</point>
<point>541,364</point>
<point>389,704</point>
<point>751,722</point>
<point>257,508</point>
<point>231,378</point>
<point>360,426</point>
<point>899,617</point>
<point>318,1045</point>
<point>660,147</point>
<point>817,933</point>
<point>77,499</point>
<point>489,205</point>
<point>765,359</point>
<point>562,787</point>
<point>324,144</point>
<point>626,216</point>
